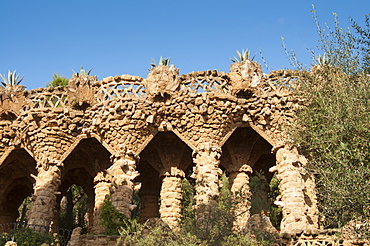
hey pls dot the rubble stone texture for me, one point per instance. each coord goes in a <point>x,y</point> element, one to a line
<point>112,135</point>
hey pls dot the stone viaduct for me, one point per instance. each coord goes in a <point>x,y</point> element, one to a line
<point>108,136</point>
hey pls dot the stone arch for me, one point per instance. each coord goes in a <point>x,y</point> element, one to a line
<point>244,153</point>
<point>16,182</point>
<point>163,164</point>
<point>88,158</point>
<point>8,115</point>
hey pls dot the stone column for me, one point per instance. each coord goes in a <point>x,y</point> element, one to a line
<point>239,186</point>
<point>102,186</point>
<point>311,201</point>
<point>46,187</point>
<point>207,174</point>
<point>149,207</point>
<point>171,196</point>
<point>289,165</point>
<point>123,172</point>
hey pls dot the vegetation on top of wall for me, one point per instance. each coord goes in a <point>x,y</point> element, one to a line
<point>11,80</point>
<point>242,56</point>
<point>81,72</point>
<point>58,80</point>
<point>161,62</point>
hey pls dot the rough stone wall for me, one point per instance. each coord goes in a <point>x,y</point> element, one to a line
<point>125,113</point>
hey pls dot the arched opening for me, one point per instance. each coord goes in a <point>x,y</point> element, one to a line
<point>8,115</point>
<point>247,158</point>
<point>16,185</point>
<point>75,201</point>
<point>164,162</point>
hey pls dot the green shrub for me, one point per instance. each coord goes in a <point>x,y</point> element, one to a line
<point>28,237</point>
<point>111,219</point>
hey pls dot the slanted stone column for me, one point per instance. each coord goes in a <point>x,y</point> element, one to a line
<point>310,198</point>
<point>207,174</point>
<point>102,186</point>
<point>290,168</point>
<point>171,196</point>
<point>46,187</point>
<point>239,186</point>
<point>123,172</point>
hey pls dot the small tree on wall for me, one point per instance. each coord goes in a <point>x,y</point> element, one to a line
<point>58,80</point>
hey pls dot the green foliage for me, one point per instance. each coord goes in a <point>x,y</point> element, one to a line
<point>23,208</point>
<point>244,240</point>
<point>275,212</point>
<point>339,45</point>
<point>28,237</point>
<point>263,197</point>
<point>111,219</point>
<point>156,236</point>
<point>188,202</point>
<point>334,133</point>
<point>363,41</point>
<point>242,56</point>
<point>214,227</point>
<point>161,62</point>
<point>58,81</point>
<point>213,224</point>
<point>73,210</point>
<point>332,129</point>
<point>11,80</point>
<point>259,189</point>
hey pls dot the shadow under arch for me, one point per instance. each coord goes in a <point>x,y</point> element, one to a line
<point>87,158</point>
<point>166,158</point>
<point>16,183</point>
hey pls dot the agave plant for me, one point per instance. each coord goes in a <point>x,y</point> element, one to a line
<point>82,72</point>
<point>322,59</point>
<point>164,62</point>
<point>12,79</point>
<point>242,56</point>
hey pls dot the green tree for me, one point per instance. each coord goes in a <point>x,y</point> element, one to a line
<point>58,80</point>
<point>332,129</point>
<point>363,41</point>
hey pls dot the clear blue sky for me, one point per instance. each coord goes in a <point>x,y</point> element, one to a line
<point>41,37</point>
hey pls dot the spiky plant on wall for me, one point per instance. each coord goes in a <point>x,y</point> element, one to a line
<point>163,62</point>
<point>322,59</point>
<point>11,80</point>
<point>242,56</point>
<point>82,72</point>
